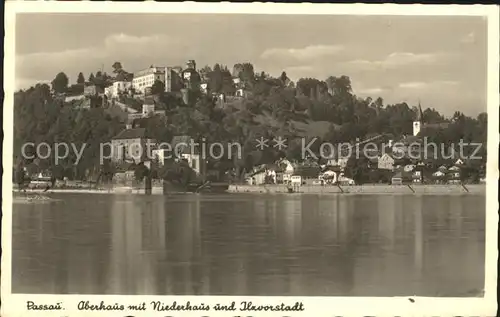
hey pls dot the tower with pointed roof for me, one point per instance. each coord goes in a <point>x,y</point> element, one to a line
<point>417,124</point>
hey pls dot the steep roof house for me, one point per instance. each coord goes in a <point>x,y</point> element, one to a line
<point>134,145</point>
<point>453,174</point>
<point>385,162</point>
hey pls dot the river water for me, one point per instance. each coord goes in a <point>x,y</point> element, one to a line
<point>337,245</point>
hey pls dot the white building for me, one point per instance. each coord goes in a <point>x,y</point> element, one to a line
<point>342,180</point>
<point>385,162</point>
<point>417,124</point>
<point>204,87</point>
<point>148,109</point>
<point>338,162</point>
<point>147,77</point>
<point>71,98</point>
<point>438,174</point>
<point>239,92</point>
<point>118,87</point>
<point>193,161</point>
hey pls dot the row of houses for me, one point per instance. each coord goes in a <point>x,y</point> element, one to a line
<point>283,171</point>
<point>414,174</point>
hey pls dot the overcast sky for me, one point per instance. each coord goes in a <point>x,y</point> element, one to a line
<point>441,61</point>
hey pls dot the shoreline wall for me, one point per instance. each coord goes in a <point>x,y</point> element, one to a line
<point>305,189</point>
<point>362,189</point>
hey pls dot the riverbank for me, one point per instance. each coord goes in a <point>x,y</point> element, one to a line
<point>115,190</point>
<point>282,189</point>
<point>362,189</point>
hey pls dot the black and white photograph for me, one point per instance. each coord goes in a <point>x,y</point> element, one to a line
<point>247,161</point>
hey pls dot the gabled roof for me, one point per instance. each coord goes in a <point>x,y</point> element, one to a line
<point>438,173</point>
<point>131,134</point>
<point>386,155</point>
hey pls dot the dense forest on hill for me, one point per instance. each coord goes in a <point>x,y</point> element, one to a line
<point>273,107</point>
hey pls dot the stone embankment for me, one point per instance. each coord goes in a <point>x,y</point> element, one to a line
<point>362,189</point>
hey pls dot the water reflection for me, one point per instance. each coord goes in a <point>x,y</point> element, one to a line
<point>240,245</point>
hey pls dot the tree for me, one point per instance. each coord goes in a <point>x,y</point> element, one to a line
<point>283,77</point>
<point>339,85</point>
<point>141,171</point>
<point>40,118</point>
<point>60,83</point>
<point>227,83</point>
<point>19,176</point>
<point>432,116</point>
<point>158,87</point>
<point>100,80</point>
<point>117,67</point>
<point>215,79</point>
<point>220,80</point>
<point>311,87</point>
<point>245,72</point>
<point>81,79</point>
<point>357,169</point>
<point>482,119</point>
<point>91,78</point>
<point>248,73</point>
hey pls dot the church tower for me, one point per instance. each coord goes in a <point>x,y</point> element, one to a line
<point>417,124</point>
